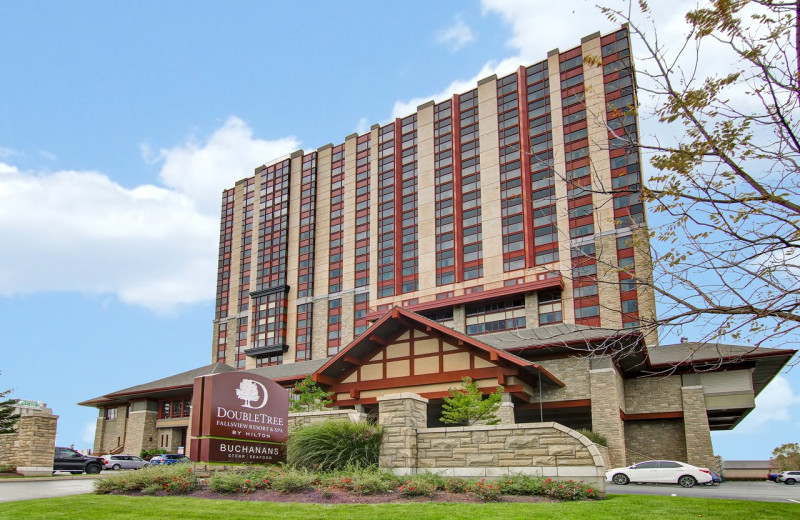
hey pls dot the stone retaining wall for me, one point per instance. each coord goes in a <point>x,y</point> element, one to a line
<point>542,449</point>
<point>301,419</point>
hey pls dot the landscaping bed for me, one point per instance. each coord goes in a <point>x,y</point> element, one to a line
<point>352,486</point>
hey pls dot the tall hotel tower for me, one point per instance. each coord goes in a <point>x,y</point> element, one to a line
<point>509,206</point>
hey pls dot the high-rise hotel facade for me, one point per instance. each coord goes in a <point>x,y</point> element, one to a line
<point>509,206</point>
<point>498,234</point>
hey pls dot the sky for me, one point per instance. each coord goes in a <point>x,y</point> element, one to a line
<point>121,123</point>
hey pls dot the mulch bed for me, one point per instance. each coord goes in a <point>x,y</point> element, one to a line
<point>343,497</point>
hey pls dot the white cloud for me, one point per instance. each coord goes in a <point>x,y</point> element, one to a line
<point>363,125</point>
<point>456,36</point>
<point>775,403</point>
<point>202,171</point>
<point>151,246</point>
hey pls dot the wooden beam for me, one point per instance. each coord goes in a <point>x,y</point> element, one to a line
<point>501,379</point>
<point>353,361</point>
<point>574,403</point>
<point>649,416</point>
<point>379,340</point>
<point>325,380</point>
<point>355,394</point>
<point>493,355</point>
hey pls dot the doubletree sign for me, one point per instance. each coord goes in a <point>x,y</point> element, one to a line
<point>239,417</point>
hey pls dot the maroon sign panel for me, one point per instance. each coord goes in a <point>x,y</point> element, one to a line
<point>238,417</point>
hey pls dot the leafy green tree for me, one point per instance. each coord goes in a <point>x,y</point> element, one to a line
<point>8,417</point>
<point>786,457</point>
<point>467,405</point>
<point>725,195</point>
<point>308,397</point>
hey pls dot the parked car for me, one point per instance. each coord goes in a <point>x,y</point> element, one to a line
<point>788,477</point>
<point>124,462</point>
<point>67,459</point>
<point>772,476</point>
<point>716,478</point>
<point>168,458</point>
<point>660,472</point>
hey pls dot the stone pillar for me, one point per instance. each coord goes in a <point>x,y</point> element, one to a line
<point>142,434</point>
<point>699,451</point>
<point>459,319</point>
<point>532,310</point>
<point>400,415</point>
<point>506,411</point>
<point>608,399</point>
<point>37,440</point>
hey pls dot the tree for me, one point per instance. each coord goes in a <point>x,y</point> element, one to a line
<point>308,397</point>
<point>786,456</point>
<point>726,191</point>
<point>8,417</point>
<point>467,405</point>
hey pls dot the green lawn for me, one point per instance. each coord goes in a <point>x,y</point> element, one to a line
<point>616,507</point>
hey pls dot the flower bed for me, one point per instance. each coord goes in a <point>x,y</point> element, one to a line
<point>371,485</point>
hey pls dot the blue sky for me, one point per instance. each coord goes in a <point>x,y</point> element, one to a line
<point>120,123</point>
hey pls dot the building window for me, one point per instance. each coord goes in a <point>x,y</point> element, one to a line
<point>549,308</point>
<point>110,414</point>
<point>175,408</point>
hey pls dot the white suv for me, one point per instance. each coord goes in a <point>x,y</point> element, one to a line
<point>788,477</point>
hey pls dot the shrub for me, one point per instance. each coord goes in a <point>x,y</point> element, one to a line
<point>291,480</point>
<point>594,437</point>
<point>456,485</point>
<point>416,487</point>
<point>149,454</point>
<point>172,479</point>
<point>228,482</point>
<point>8,468</point>
<point>438,482</point>
<point>485,490</point>
<point>333,445</point>
<point>568,490</point>
<point>521,485</point>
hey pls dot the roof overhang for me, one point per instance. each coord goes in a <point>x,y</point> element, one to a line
<point>551,280</point>
<point>396,321</point>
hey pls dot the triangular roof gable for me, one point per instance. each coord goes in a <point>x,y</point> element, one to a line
<point>397,321</point>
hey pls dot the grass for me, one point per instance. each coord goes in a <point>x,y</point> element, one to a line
<point>616,507</point>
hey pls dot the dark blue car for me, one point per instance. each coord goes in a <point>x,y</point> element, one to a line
<point>168,458</point>
<point>716,478</point>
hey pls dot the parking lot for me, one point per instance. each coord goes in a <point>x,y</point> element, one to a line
<point>735,490</point>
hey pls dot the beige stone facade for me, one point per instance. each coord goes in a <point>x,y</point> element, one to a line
<point>31,447</point>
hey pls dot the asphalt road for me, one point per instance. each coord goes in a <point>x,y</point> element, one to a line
<point>754,491</point>
<point>61,485</point>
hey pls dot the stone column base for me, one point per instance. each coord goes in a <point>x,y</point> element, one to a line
<point>35,471</point>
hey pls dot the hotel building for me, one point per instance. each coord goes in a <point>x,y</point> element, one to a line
<point>498,234</point>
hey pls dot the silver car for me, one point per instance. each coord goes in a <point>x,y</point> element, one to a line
<point>124,462</point>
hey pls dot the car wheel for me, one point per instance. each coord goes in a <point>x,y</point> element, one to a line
<point>146,466</point>
<point>687,481</point>
<point>115,467</point>
<point>620,479</point>
<point>789,481</point>
<point>93,469</point>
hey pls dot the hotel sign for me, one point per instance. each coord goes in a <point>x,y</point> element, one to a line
<point>239,417</point>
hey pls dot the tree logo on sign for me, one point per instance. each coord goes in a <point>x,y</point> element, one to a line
<point>248,392</point>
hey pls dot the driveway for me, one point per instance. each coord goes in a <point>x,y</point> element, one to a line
<point>754,491</point>
<point>46,487</point>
